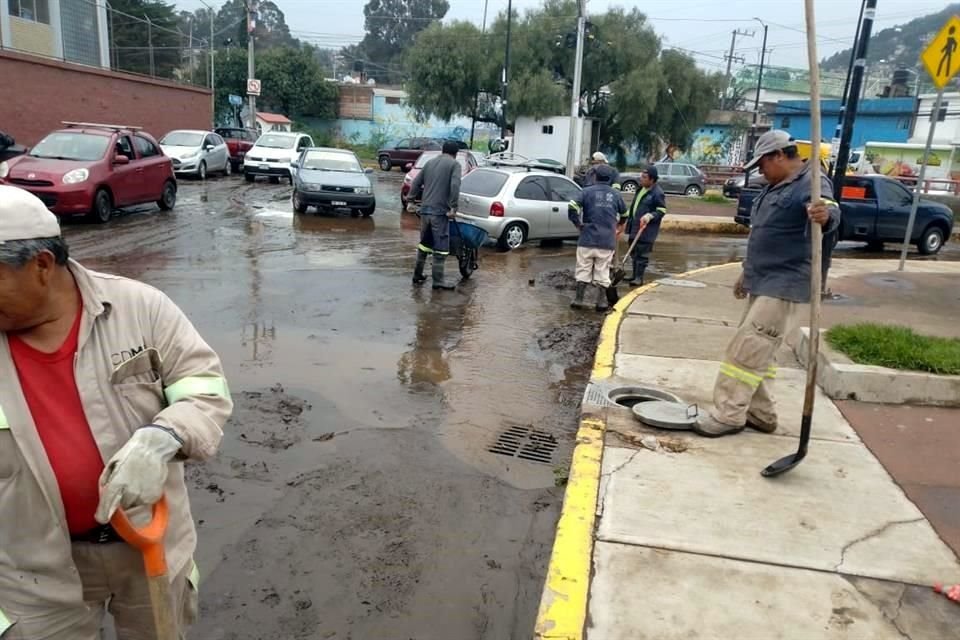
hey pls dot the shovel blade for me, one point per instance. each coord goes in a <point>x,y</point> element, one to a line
<point>783,465</point>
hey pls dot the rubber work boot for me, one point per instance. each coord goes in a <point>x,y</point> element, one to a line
<point>578,296</point>
<point>708,426</point>
<point>438,281</point>
<point>636,280</point>
<point>418,277</point>
<point>602,305</point>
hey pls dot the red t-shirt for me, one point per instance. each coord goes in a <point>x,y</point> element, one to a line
<point>50,388</point>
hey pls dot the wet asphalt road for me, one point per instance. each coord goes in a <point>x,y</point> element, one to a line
<point>355,495</point>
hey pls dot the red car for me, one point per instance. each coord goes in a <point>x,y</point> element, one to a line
<point>239,141</point>
<point>467,164</point>
<point>92,169</point>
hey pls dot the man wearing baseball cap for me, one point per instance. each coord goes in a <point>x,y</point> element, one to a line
<point>105,388</point>
<point>646,212</point>
<point>597,160</point>
<point>776,277</point>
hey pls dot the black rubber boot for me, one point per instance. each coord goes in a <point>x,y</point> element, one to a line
<point>418,277</point>
<point>578,296</point>
<point>602,305</point>
<point>636,280</point>
<point>438,281</point>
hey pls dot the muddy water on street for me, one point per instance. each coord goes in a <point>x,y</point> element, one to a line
<point>355,495</point>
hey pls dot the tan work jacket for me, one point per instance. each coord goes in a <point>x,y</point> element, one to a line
<point>139,361</point>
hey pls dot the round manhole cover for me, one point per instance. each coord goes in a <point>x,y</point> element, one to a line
<point>666,415</point>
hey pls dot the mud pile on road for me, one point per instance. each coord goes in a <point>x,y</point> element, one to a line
<point>572,344</point>
<point>561,279</point>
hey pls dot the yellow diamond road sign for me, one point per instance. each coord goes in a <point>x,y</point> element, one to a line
<point>942,55</point>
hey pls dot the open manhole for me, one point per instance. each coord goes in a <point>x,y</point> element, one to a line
<point>629,397</point>
<point>525,443</point>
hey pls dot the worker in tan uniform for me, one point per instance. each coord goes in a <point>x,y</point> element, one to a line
<point>105,389</point>
<point>776,277</point>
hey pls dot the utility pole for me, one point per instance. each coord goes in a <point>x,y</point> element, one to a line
<point>850,110</point>
<point>150,45</point>
<point>251,28</point>
<point>835,142</point>
<point>575,140</point>
<point>213,71</point>
<point>192,57</point>
<point>476,97</point>
<point>756,100</point>
<point>506,73</point>
<point>730,58</point>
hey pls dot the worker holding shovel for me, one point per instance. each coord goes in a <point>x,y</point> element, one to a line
<point>646,212</point>
<point>105,387</point>
<point>776,277</point>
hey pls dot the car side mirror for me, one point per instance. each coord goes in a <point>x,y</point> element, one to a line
<point>294,165</point>
<point>368,170</point>
<point>121,160</point>
<point>208,147</point>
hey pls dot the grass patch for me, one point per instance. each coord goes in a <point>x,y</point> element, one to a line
<point>896,347</point>
<point>714,197</point>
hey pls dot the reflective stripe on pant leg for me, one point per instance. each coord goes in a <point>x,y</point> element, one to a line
<point>424,248</point>
<point>440,230</point>
<point>742,375</point>
<point>771,373</point>
<point>196,386</point>
<point>3,420</point>
<point>4,623</point>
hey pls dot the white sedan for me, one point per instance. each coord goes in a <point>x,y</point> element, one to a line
<point>196,152</point>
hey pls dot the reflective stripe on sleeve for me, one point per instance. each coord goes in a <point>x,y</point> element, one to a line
<point>194,577</point>
<point>662,210</point>
<point>196,386</point>
<point>741,375</point>
<point>424,248</point>
<point>4,623</point>
<point>574,205</point>
<point>3,420</point>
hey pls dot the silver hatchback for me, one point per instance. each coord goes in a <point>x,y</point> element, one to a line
<point>516,204</point>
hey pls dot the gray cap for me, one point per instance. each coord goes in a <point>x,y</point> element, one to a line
<point>773,140</point>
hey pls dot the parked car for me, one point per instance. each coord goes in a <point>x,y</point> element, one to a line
<point>733,186</point>
<point>875,209</point>
<point>93,169</point>
<point>467,164</point>
<point>9,147</point>
<point>478,157</point>
<point>196,152</point>
<point>273,154</point>
<point>517,204</point>
<point>406,151</point>
<point>675,177</point>
<point>239,141</point>
<point>511,159</point>
<point>331,179</point>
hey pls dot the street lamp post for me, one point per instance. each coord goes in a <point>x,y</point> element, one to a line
<point>213,82</point>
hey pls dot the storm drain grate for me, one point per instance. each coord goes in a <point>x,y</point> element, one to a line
<point>525,443</point>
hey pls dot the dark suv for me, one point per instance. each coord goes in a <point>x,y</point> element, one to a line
<point>408,150</point>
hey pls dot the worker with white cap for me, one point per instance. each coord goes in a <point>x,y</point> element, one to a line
<point>776,277</point>
<point>598,159</point>
<point>105,388</point>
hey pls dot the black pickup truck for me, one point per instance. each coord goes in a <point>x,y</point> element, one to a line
<point>875,209</point>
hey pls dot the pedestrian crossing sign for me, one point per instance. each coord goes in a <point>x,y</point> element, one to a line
<point>942,55</point>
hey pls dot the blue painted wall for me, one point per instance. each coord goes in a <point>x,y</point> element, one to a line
<point>880,119</point>
<point>391,122</point>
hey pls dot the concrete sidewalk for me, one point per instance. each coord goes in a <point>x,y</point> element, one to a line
<point>669,535</point>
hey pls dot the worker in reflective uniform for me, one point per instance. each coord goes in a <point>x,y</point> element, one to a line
<point>776,277</point>
<point>646,212</point>
<point>439,184</point>
<point>105,389</point>
<point>599,214</point>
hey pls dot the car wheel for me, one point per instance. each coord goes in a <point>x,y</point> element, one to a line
<point>274,180</point>
<point>202,170</point>
<point>249,177</point>
<point>299,206</point>
<point>629,187</point>
<point>102,206</point>
<point>693,190</point>
<point>368,211</point>
<point>514,235</point>
<point>931,241</point>
<point>228,168</point>
<point>385,163</point>
<point>168,197</point>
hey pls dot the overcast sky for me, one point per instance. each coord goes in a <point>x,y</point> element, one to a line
<point>701,26</point>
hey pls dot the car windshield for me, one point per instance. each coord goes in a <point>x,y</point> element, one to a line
<point>182,139</point>
<point>273,141</point>
<point>72,146</point>
<point>328,161</point>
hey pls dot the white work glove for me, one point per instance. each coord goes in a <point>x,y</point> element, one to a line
<point>647,219</point>
<point>136,474</point>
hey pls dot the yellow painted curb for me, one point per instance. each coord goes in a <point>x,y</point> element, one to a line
<point>563,606</point>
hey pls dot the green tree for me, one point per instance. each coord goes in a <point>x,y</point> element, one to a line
<point>294,84</point>
<point>145,37</point>
<point>231,23</point>
<point>231,78</point>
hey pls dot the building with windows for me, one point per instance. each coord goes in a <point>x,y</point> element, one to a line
<point>69,30</point>
<point>878,120</point>
<point>948,119</point>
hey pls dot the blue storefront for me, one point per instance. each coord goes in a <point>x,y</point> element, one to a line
<point>878,120</point>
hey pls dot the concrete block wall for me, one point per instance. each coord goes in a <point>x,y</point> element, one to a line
<point>46,92</point>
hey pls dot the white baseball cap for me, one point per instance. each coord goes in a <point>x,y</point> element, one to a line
<point>23,216</point>
<point>599,157</point>
<point>771,141</point>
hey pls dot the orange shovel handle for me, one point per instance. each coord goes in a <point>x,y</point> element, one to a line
<point>149,539</point>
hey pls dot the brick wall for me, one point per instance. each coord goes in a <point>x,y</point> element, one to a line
<point>41,93</point>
